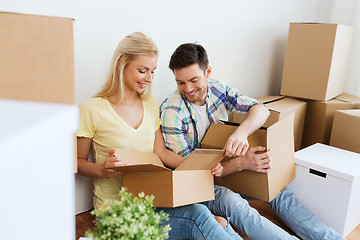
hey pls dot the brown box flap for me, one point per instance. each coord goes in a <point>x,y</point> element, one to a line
<point>202,159</point>
<point>138,161</point>
<point>217,135</point>
<point>354,100</point>
<point>268,99</point>
<point>284,105</point>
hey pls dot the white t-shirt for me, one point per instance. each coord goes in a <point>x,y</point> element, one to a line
<point>202,119</point>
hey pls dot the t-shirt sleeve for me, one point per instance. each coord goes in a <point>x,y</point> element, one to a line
<point>87,121</point>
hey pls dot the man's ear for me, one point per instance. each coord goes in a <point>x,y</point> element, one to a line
<point>208,71</point>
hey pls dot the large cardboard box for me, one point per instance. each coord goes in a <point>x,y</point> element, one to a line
<point>316,60</point>
<point>36,58</point>
<point>280,107</point>
<point>264,186</point>
<point>191,182</point>
<point>345,132</point>
<point>328,183</point>
<point>320,115</point>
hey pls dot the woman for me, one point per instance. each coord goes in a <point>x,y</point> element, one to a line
<point>124,115</point>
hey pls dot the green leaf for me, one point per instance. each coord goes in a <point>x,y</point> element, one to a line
<point>129,217</point>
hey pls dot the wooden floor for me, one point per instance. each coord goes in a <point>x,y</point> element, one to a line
<point>84,221</point>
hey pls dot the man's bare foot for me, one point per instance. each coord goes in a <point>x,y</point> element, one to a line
<point>222,221</point>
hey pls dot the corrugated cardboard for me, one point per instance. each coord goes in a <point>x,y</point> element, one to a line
<point>328,183</point>
<point>36,58</point>
<point>320,115</point>
<point>263,186</point>
<point>191,182</point>
<point>316,60</point>
<point>279,107</point>
<point>345,131</point>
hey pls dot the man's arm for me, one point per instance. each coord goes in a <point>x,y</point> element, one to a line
<point>255,160</point>
<point>237,144</point>
<point>172,159</point>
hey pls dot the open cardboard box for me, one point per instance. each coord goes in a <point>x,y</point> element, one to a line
<point>280,107</point>
<point>264,186</point>
<point>191,182</point>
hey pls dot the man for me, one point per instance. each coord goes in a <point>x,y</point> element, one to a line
<point>186,116</point>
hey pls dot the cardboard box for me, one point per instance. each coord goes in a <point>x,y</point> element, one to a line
<point>279,107</point>
<point>36,58</point>
<point>328,183</point>
<point>316,60</point>
<point>320,115</point>
<point>191,182</point>
<point>263,186</point>
<point>345,132</point>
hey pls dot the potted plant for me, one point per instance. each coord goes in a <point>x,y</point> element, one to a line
<point>129,217</point>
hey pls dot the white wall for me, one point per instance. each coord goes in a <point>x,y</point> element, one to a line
<point>246,40</point>
<point>346,12</point>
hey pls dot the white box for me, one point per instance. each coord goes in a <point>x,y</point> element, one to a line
<point>37,184</point>
<point>328,183</point>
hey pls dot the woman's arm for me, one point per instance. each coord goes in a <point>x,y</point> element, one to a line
<point>90,169</point>
<point>168,157</point>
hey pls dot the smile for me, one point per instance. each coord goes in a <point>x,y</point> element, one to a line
<point>191,94</point>
<point>142,85</point>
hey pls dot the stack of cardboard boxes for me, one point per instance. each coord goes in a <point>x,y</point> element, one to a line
<point>327,178</point>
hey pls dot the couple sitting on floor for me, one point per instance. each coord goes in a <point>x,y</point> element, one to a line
<point>124,115</point>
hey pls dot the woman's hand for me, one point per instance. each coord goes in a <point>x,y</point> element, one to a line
<point>217,170</point>
<point>111,161</point>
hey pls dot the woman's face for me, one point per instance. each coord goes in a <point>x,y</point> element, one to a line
<point>139,72</point>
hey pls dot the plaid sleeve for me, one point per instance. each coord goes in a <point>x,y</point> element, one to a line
<point>235,101</point>
<point>174,130</point>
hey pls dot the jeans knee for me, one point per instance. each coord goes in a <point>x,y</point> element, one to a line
<point>199,211</point>
<point>227,196</point>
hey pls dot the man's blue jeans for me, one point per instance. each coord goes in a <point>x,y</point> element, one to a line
<point>247,220</point>
<point>196,222</point>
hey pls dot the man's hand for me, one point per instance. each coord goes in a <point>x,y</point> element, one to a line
<point>252,160</point>
<point>237,144</point>
<point>258,162</point>
<point>217,170</point>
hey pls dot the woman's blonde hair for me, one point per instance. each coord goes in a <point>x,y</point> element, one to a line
<point>129,47</point>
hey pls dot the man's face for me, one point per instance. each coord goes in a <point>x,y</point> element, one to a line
<point>192,83</point>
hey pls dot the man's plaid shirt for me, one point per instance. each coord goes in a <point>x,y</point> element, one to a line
<point>178,122</point>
